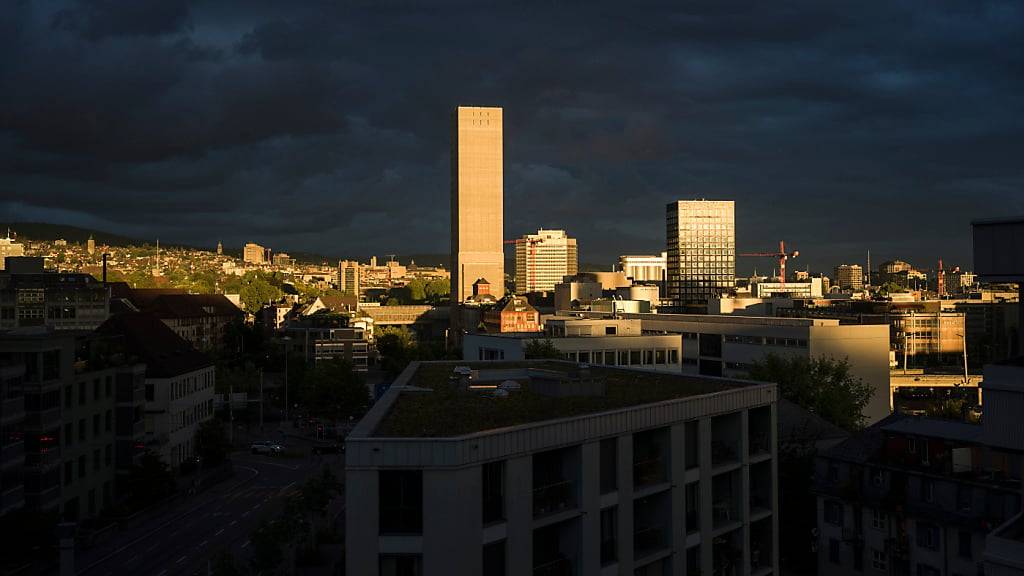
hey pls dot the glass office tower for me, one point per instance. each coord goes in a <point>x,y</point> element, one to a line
<point>701,261</point>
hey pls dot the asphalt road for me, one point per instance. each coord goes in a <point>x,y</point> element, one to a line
<point>182,540</point>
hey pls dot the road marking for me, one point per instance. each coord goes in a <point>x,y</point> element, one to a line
<point>233,522</point>
<point>204,543</point>
<point>219,532</point>
<point>151,548</point>
<point>243,546</point>
<point>162,572</point>
<point>180,560</point>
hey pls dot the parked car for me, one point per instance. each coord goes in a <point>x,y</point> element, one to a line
<point>266,447</point>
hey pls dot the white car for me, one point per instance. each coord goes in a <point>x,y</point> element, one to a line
<point>265,447</point>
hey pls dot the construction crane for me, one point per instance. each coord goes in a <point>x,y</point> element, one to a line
<point>782,255</point>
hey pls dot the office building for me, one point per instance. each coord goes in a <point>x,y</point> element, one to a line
<point>644,268</point>
<point>348,277</point>
<point>12,438</point>
<point>178,386</point>
<point>8,247</point>
<point>849,277</point>
<point>701,256</point>
<point>477,197</point>
<point>283,259</point>
<point>253,253</point>
<point>32,296</point>
<point>729,345</point>
<point>543,259</point>
<point>597,470</point>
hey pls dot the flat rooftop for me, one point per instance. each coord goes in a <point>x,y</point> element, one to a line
<point>429,404</point>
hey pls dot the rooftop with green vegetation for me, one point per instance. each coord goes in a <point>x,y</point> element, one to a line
<point>434,404</point>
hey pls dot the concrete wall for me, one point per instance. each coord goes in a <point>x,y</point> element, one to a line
<point>867,349</point>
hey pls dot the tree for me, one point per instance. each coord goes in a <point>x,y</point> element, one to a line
<point>151,480</point>
<point>823,386</point>
<point>437,290</point>
<point>256,292</point>
<point>397,348</point>
<point>332,390</point>
<point>536,349</point>
<point>211,443</point>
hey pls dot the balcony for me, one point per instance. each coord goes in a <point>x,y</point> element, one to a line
<point>723,454</point>
<point>554,498</point>
<point>12,409</point>
<point>558,567</point>
<point>12,455</point>
<point>649,472</point>
<point>649,539</point>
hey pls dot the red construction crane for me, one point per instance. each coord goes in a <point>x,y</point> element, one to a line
<point>781,255</point>
<point>531,258</point>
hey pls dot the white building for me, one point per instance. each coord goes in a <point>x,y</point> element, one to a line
<point>587,340</point>
<point>543,259</point>
<point>643,268</point>
<point>810,289</point>
<point>8,247</point>
<point>729,345</point>
<point>596,471</point>
<point>575,293</point>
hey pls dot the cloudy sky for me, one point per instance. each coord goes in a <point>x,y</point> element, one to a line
<point>324,126</point>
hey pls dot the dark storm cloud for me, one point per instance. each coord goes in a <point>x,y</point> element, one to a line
<point>324,126</point>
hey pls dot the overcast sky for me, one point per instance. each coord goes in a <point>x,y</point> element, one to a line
<point>324,126</point>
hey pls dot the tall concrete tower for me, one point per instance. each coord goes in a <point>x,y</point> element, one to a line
<point>477,201</point>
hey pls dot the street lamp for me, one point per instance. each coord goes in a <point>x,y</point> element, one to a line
<point>286,339</point>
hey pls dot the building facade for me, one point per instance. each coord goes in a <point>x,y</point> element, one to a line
<point>644,268</point>
<point>348,277</point>
<point>701,255</point>
<point>513,314</point>
<point>8,247</point>
<point>477,197</point>
<point>543,259</point>
<point>31,296</point>
<point>849,277</point>
<point>253,253</point>
<point>672,480</point>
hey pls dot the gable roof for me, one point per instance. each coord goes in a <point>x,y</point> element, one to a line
<point>165,353</point>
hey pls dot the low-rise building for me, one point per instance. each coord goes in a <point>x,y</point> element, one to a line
<point>512,314</point>
<point>556,468</point>
<point>328,337</point>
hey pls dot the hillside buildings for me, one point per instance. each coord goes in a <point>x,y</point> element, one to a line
<point>477,192</point>
<point>701,256</point>
<point>599,470</point>
<point>543,259</point>
<point>8,247</point>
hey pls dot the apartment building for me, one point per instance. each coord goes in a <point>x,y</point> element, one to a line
<point>728,345</point>
<point>849,277</point>
<point>82,418</point>
<point>12,437</point>
<point>348,277</point>
<point>543,259</point>
<point>31,296</point>
<point>178,384</point>
<point>316,339</point>
<point>253,253</point>
<point>512,314</point>
<point>552,468</point>
<point>204,320</point>
<point>604,341</point>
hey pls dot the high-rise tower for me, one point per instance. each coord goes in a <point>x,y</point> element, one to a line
<point>701,259</point>
<point>477,201</point>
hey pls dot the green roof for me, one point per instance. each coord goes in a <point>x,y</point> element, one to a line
<point>442,409</point>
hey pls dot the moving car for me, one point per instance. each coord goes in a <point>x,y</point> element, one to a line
<point>266,447</point>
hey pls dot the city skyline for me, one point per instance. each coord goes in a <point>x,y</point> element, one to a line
<point>820,143</point>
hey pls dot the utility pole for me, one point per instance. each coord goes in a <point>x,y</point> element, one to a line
<point>261,399</point>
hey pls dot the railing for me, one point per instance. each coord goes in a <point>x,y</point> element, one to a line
<point>557,567</point>
<point>650,471</point>
<point>649,539</point>
<point>553,498</point>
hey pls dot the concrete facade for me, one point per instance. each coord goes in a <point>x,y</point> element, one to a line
<point>477,197</point>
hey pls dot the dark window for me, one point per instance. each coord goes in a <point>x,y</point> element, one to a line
<point>710,345</point>
<point>858,557</point>
<point>927,535</point>
<point>401,501</point>
<point>609,465</point>
<point>833,551</point>
<point>67,396</point>
<point>609,535</point>
<point>81,466</point>
<point>81,393</point>
<point>964,545</point>
<point>96,459</point>
<point>81,429</point>
<point>69,434</point>
<point>149,393</point>
<point>927,489</point>
<point>693,507</point>
<point>494,558</point>
<point>107,421</point>
<point>926,570</point>
<point>95,424</point>
<point>401,565</point>
<point>493,491</point>
<point>692,434</point>
<point>834,512</point>
<point>107,387</point>
<point>609,330</point>
<point>69,473</point>
<point>650,462</point>
<point>96,389</point>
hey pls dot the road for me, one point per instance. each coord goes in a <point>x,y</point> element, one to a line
<point>182,540</point>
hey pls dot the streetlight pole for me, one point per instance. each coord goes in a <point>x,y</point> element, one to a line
<point>286,339</point>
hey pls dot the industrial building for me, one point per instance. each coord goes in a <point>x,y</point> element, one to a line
<point>644,267</point>
<point>551,467</point>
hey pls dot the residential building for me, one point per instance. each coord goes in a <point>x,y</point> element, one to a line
<point>477,194</point>
<point>32,296</point>
<point>849,277</point>
<point>543,259</point>
<point>999,257</point>
<point>328,337</point>
<point>598,341</point>
<point>178,385</point>
<point>207,321</point>
<point>597,470</point>
<point>644,267</point>
<point>512,314</point>
<point>701,257</point>
<point>82,419</point>
<point>8,247</point>
<point>12,437</point>
<point>893,271</point>
<point>283,259</point>
<point>728,346</point>
<point>348,277</point>
<point>253,253</point>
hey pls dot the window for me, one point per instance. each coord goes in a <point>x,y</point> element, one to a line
<point>96,459</point>
<point>81,393</point>
<point>963,547</point>
<point>609,465</point>
<point>924,452</point>
<point>927,490</point>
<point>609,535</point>
<point>879,519</point>
<point>401,565</point>
<point>67,396</point>
<point>107,421</point>
<point>912,445</point>
<point>833,550</point>
<point>95,424</point>
<point>96,389</point>
<point>609,330</point>
<point>879,561</point>
<point>401,502</point>
<point>834,512</point>
<point>493,491</point>
<point>107,387</point>
<point>494,558</point>
<point>691,434</point>
<point>81,466</point>
<point>927,535</point>
<point>69,472</point>
<point>692,507</point>
<point>69,434</point>
<point>81,429</point>
<point>833,472</point>
<point>106,454</point>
